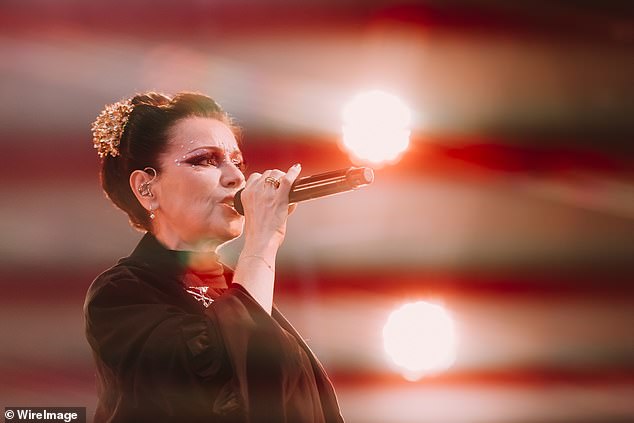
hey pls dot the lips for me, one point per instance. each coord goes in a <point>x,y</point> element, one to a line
<point>228,200</point>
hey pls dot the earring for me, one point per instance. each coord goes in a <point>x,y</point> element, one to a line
<point>152,215</point>
<point>144,188</point>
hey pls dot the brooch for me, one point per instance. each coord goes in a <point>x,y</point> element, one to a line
<point>200,294</point>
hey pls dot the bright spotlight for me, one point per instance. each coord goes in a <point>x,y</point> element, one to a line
<point>420,339</point>
<point>376,127</point>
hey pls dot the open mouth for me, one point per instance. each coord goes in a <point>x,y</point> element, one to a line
<point>228,201</point>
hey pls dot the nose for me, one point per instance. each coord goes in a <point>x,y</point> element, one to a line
<point>231,176</point>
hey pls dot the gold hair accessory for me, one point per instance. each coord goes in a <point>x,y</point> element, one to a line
<point>108,127</point>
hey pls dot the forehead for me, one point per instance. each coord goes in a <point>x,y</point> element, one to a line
<point>194,132</point>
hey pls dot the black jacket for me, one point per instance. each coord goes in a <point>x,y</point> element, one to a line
<point>162,356</point>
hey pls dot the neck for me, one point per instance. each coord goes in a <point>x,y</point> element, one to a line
<point>199,256</point>
<point>204,262</point>
<point>173,241</point>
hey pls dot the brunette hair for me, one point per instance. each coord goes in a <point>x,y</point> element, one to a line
<point>144,139</point>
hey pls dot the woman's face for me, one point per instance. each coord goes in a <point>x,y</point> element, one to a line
<point>201,170</point>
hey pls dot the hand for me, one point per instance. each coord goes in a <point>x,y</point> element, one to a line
<point>266,207</point>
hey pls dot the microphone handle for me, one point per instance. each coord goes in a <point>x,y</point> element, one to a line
<point>322,185</point>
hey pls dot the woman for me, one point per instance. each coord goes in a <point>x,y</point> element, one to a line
<point>176,335</point>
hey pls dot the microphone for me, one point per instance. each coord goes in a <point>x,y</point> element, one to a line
<point>322,185</point>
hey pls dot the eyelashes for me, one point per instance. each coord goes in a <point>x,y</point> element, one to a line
<point>215,160</point>
<point>241,165</point>
<point>204,160</point>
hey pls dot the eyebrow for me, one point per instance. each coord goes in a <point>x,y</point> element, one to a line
<point>232,153</point>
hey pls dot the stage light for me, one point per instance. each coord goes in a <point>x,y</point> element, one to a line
<point>376,127</point>
<point>420,339</point>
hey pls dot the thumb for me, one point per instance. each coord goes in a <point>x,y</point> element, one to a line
<point>293,172</point>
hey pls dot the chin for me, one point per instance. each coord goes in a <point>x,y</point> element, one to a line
<point>233,230</point>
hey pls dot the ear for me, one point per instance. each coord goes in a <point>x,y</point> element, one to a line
<point>137,179</point>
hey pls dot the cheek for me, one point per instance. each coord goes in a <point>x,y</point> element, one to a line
<point>191,193</point>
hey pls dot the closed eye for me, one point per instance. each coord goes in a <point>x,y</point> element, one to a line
<point>240,164</point>
<point>206,159</point>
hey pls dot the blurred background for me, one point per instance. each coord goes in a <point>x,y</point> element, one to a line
<point>512,208</point>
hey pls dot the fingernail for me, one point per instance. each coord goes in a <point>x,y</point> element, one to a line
<point>297,165</point>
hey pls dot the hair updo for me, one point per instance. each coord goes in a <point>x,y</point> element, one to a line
<point>145,138</point>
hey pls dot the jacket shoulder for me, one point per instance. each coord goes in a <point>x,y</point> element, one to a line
<point>124,278</point>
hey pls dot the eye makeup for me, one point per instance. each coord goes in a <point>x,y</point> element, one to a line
<point>211,156</point>
<point>205,158</point>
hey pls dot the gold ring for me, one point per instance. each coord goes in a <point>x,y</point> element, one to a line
<point>272,181</point>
